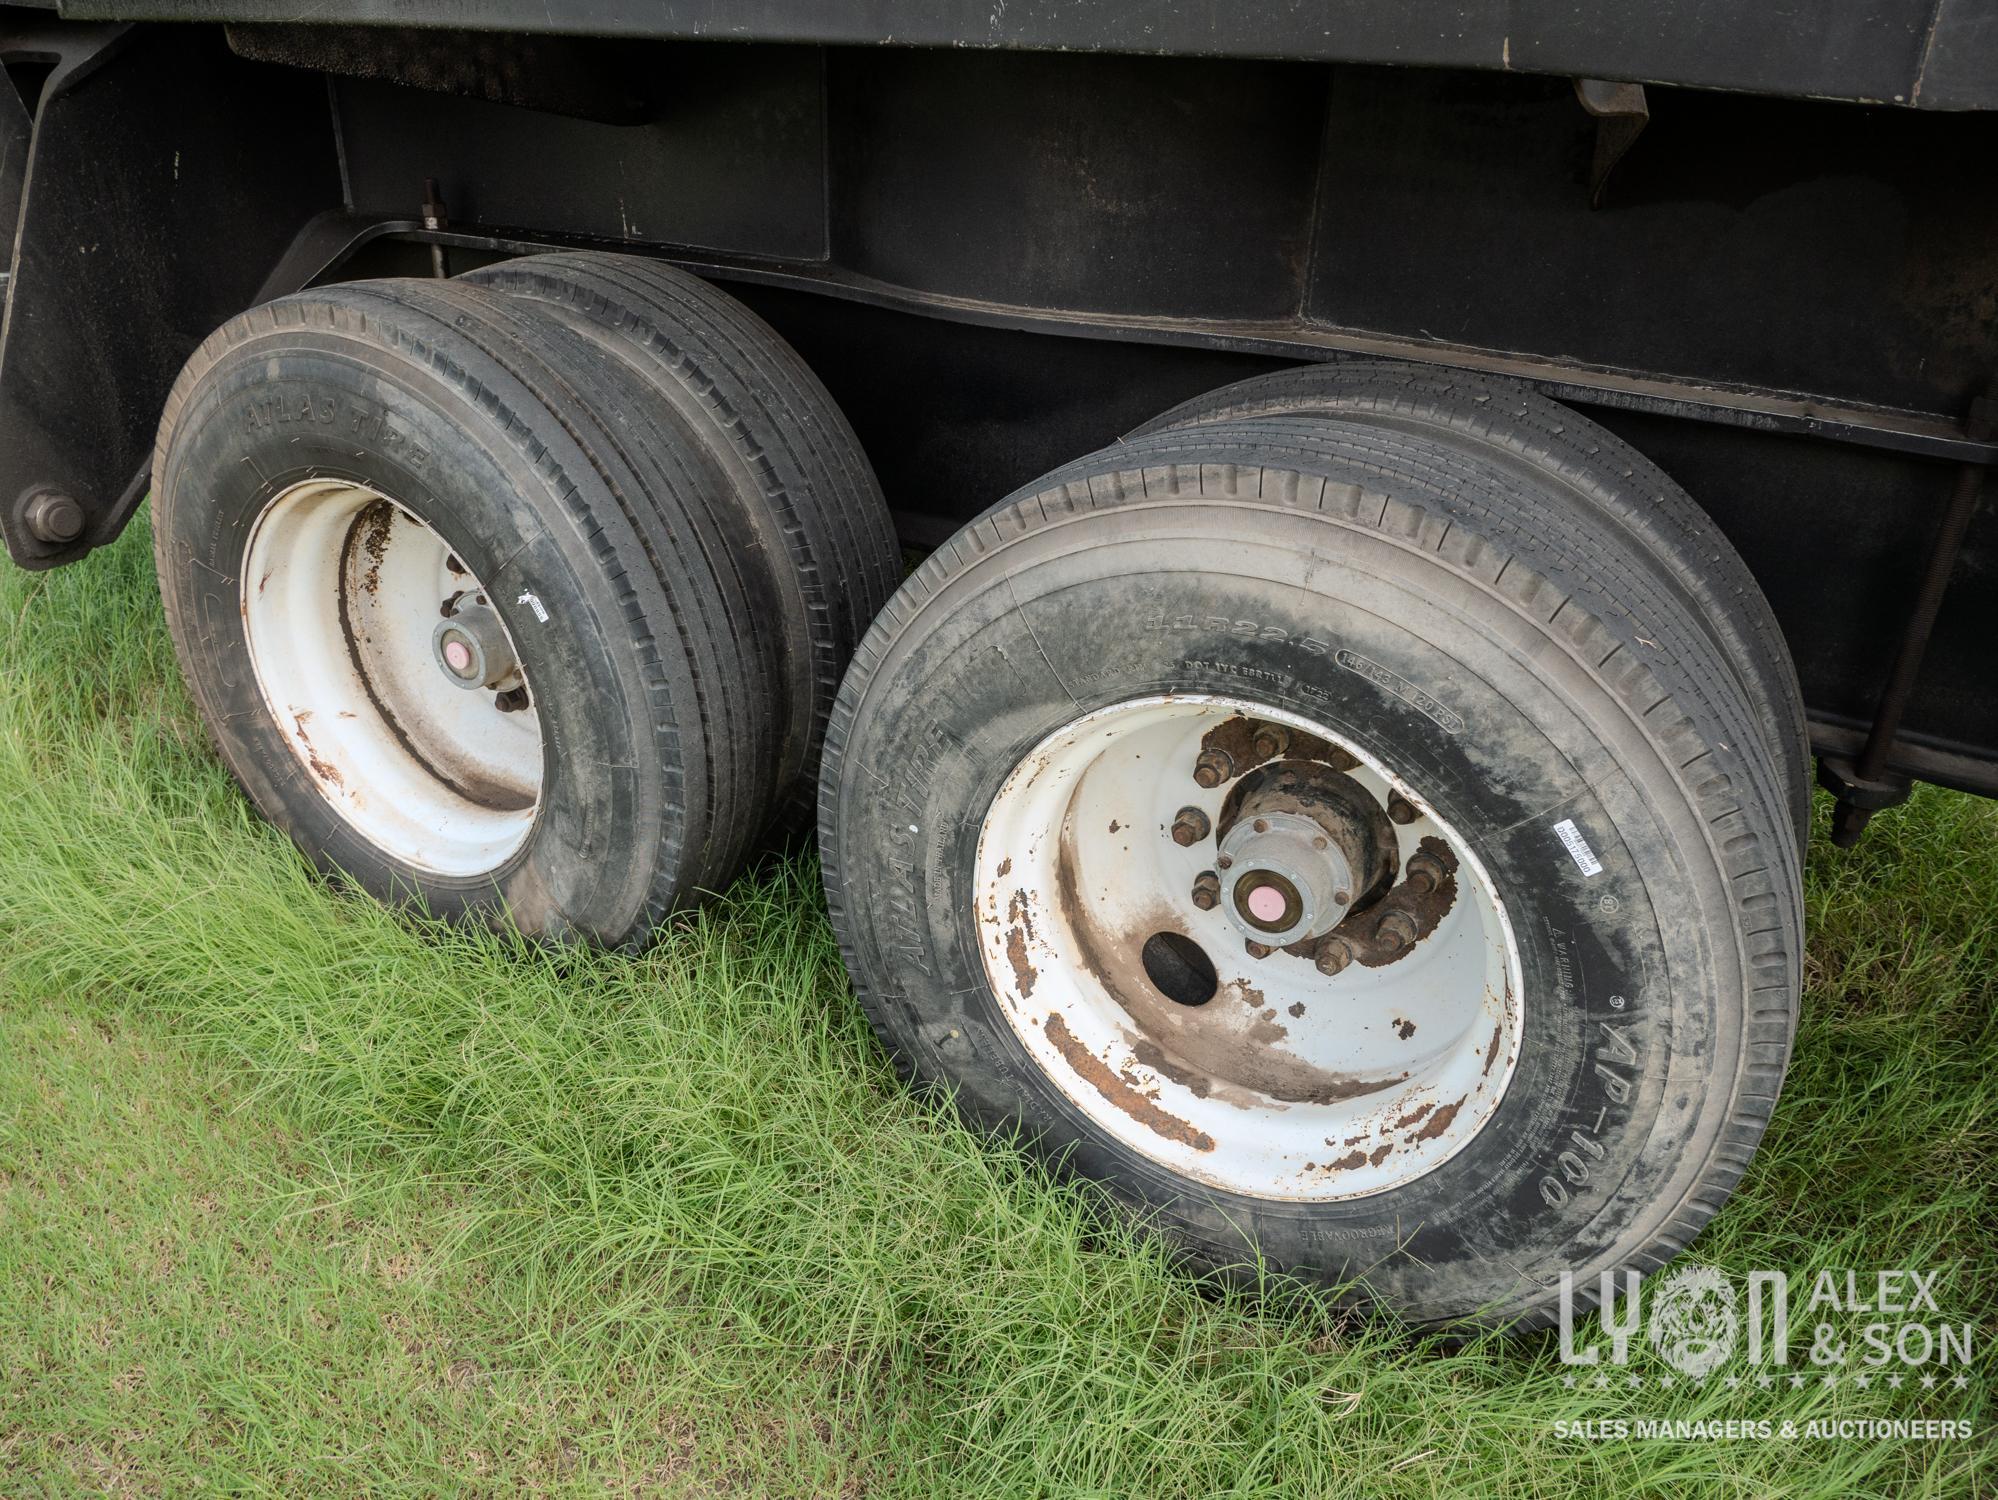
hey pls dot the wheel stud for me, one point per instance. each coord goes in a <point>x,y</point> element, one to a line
<point>1206,890</point>
<point>1401,809</point>
<point>1213,767</point>
<point>1395,930</point>
<point>1333,954</point>
<point>1189,827</point>
<point>1256,949</point>
<point>1271,741</point>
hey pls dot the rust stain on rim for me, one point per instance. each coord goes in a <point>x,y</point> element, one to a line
<point>376,520</point>
<point>1152,1056</point>
<point>1024,972</point>
<point>320,768</point>
<point>1423,902</point>
<point>1438,1122</point>
<point>1094,1071</point>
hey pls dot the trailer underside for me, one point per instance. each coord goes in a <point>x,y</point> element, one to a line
<point>997,260</point>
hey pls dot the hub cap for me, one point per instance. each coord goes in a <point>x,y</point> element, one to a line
<point>1206,926</point>
<point>393,678</point>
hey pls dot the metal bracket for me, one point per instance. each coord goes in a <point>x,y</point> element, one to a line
<point>1621,114</point>
<point>1865,785</point>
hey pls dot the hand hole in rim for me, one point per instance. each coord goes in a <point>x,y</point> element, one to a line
<point>1180,968</point>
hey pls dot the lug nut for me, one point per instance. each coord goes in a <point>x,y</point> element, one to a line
<point>1189,827</point>
<point>1207,890</point>
<point>1400,809</point>
<point>1256,949</point>
<point>1334,953</point>
<point>1213,767</point>
<point>1271,741</point>
<point>1424,871</point>
<point>1395,930</point>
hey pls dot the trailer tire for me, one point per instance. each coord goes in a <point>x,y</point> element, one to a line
<point>1456,640</point>
<point>332,463</point>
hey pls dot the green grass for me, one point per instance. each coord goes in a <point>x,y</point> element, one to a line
<point>300,1197</point>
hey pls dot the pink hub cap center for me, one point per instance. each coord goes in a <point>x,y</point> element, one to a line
<point>458,655</point>
<point>1266,904</point>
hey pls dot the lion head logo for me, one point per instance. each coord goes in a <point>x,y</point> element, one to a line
<point>1693,1320</point>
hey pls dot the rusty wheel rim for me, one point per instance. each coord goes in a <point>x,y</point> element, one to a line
<point>384,663</point>
<point>1247,949</point>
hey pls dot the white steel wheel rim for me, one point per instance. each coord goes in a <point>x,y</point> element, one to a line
<point>343,594</point>
<point>1308,1087</point>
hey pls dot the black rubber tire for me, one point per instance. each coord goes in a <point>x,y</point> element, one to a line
<point>809,503</point>
<point>1522,664</point>
<point>1554,446</point>
<point>552,474</point>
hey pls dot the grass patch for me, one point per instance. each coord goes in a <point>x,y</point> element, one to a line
<point>297,1196</point>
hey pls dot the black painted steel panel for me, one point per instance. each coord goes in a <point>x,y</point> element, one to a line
<point>1881,50</point>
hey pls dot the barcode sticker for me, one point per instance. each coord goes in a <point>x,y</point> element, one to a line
<point>1585,857</point>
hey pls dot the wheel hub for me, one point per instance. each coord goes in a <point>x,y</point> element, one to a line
<point>472,648</point>
<point>1299,843</point>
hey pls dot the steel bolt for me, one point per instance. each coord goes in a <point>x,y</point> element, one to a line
<point>1271,741</point>
<point>54,517</point>
<point>1401,809</point>
<point>1395,930</point>
<point>1334,953</point>
<point>1207,890</point>
<point>1213,767</point>
<point>1189,827</point>
<point>1256,949</point>
<point>1342,897</point>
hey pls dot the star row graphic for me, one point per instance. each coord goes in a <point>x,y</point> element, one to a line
<point>1765,1381</point>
